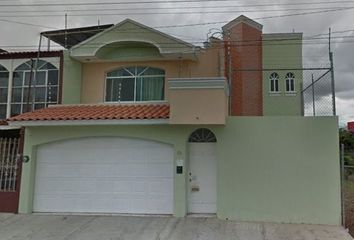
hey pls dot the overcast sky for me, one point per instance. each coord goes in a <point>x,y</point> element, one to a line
<point>315,51</point>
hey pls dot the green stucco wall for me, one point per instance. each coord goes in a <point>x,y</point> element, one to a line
<point>71,80</point>
<point>130,31</point>
<point>278,169</point>
<point>283,169</point>
<point>282,51</point>
<point>127,51</point>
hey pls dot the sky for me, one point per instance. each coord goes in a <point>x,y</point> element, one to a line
<point>320,16</point>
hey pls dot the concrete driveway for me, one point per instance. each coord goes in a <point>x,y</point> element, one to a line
<point>50,227</point>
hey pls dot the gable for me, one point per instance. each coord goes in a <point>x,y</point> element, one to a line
<point>130,40</point>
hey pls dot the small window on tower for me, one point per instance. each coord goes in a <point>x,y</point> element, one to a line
<point>290,82</point>
<point>274,82</point>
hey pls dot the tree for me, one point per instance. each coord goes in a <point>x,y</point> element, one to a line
<point>346,138</point>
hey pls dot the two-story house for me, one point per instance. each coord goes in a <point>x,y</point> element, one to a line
<point>150,124</point>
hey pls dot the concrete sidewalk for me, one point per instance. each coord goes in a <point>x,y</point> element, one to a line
<point>55,227</point>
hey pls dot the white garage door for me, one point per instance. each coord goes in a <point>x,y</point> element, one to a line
<point>104,175</point>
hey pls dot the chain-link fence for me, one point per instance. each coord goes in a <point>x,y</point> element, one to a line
<point>318,95</point>
<point>348,198</point>
<point>347,173</point>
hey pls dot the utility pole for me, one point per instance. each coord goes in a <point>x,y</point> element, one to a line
<point>35,72</point>
<point>66,33</point>
<point>29,100</point>
<point>334,110</point>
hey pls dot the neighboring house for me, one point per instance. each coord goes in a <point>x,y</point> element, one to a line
<point>23,88</point>
<point>18,71</point>
<point>150,124</point>
<point>350,126</point>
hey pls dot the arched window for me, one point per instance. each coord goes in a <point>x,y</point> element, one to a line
<point>4,88</point>
<point>290,82</point>
<point>40,88</point>
<point>202,135</point>
<point>135,84</point>
<point>274,82</point>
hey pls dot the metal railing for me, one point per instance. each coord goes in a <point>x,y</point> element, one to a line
<point>9,149</point>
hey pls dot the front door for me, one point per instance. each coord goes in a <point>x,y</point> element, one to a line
<point>202,189</point>
<point>10,172</point>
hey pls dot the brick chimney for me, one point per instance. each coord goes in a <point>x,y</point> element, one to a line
<point>243,44</point>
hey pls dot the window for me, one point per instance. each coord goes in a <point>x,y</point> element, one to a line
<point>274,82</point>
<point>135,84</point>
<point>202,135</point>
<point>32,90</point>
<point>290,82</point>
<point>4,87</point>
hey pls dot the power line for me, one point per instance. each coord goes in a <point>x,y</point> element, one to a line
<point>259,18</point>
<point>249,42</point>
<point>175,46</point>
<point>169,1</point>
<point>199,24</point>
<point>164,8</point>
<point>305,13</point>
<point>27,24</point>
<point>219,22</point>
<point>166,13</point>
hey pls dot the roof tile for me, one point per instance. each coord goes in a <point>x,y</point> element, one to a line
<point>96,112</point>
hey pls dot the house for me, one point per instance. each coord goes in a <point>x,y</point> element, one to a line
<point>150,124</point>
<point>28,81</point>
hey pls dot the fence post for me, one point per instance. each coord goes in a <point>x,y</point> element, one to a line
<point>342,173</point>
<point>333,85</point>
<point>313,96</point>
<point>302,100</point>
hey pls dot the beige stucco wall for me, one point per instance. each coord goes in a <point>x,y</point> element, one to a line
<point>93,74</point>
<point>198,106</point>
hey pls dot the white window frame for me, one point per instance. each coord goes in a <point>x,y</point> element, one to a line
<point>23,101</point>
<point>274,77</point>
<point>8,87</point>
<point>134,75</point>
<point>290,77</point>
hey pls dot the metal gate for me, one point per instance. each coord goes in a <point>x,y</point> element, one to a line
<point>10,173</point>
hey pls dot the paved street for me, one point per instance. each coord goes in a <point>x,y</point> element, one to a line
<point>50,227</point>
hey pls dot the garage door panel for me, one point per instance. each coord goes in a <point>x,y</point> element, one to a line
<point>157,186</point>
<point>113,175</point>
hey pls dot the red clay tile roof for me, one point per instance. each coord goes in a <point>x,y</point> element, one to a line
<point>96,112</point>
<point>3,122</point>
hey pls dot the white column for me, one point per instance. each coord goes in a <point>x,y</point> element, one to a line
<point>9,89</point>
